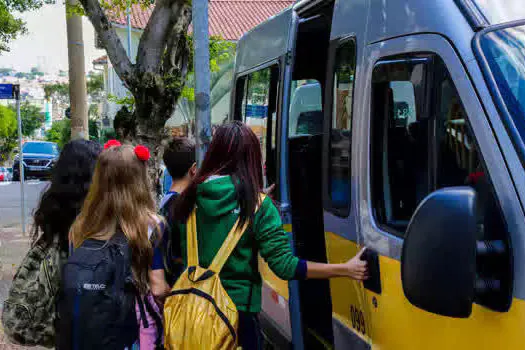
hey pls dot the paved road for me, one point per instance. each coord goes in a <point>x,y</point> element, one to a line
<point>14,245</point>
<point>10,212</point>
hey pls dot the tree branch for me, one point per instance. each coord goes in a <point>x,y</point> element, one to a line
<point>153,40</point>
<point>110,41</point>
<point>176,49</point>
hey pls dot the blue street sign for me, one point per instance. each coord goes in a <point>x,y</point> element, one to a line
<point>6,91</point>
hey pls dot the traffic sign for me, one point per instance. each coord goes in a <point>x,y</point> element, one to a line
<point>8,91</point>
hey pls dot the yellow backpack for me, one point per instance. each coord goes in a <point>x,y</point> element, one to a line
<point>199,314</point>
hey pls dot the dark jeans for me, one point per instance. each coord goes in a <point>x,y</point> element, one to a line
<point>250,337</point>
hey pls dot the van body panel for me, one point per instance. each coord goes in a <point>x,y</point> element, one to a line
<point>389,246</point>
<point>396,324</point>
<point>348,296</point>
<point>378,20</point>
<point>512,206</point>
<point>386,30</point>
<point>264,43</point>
<point>493,156</point>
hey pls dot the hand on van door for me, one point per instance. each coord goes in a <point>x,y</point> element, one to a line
<point>354,268</point>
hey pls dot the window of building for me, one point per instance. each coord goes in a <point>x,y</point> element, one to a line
<point>341,128</point>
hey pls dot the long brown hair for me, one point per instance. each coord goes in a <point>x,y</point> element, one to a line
<point>234,151</point>
<point>119,198</point>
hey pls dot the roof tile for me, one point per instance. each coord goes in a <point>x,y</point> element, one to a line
<point>229,19</point>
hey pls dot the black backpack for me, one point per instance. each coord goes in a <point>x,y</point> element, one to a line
<point>96,307</point>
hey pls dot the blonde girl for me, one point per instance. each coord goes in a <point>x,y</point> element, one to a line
<point>107,272</point>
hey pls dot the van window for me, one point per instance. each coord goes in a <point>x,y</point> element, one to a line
<point>419,144</point>
<point>457,155</point>
<point>399,141</point>
<point>306,110</point>
<point>341,128</point>
<point>257,100</point>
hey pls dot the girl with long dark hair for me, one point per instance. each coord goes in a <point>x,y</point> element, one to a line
<point>37,279</point>
<point>227,187</point>
<point>62,200</point>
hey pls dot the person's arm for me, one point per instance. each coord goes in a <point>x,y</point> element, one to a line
<point>274,247</point>
<point>157,280</point>
<point>158,285</point>
<point>354,268</point>
<point>273,243</point>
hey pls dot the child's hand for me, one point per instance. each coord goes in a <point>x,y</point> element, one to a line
<point>268,190</point>
<point>357,268</point>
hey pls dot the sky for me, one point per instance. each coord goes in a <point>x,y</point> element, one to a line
<point>45,45</point>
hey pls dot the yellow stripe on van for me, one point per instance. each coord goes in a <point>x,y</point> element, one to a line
<point>275,283</point>
<point>397,324</point>
<point>346,293</point>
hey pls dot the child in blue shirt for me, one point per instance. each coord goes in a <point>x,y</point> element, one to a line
<point>179,159</point>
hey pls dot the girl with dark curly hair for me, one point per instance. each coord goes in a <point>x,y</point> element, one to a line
<point>62,201</point>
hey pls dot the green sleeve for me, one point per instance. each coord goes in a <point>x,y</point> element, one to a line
<point>273,243</point>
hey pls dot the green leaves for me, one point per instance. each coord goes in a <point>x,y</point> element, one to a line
<point>128,101</point>
<point>60,132</point>
<point>221,51</point>
<point>60,91</point>
<point>8,132</point>
<point>32,118</point>
<point>7,122</point>
<point>10,25</point>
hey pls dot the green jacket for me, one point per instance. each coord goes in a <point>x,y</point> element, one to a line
<point>216,214</point>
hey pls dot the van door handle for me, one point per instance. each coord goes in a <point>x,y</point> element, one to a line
<point>373,283</point>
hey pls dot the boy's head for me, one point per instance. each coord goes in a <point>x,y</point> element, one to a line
<point>179,157</point>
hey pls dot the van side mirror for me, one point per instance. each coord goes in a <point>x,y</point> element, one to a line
<point>438,264</point>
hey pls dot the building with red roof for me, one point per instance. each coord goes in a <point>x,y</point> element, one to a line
<point>228,19</point>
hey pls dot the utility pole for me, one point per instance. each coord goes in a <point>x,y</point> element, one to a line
<point>77,75</point>
<point>201,62</point>
<point>128,20</point>
<point>20,160</point>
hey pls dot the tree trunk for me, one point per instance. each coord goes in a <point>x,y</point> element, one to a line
<point>154,105</point>
<point>157,78</point>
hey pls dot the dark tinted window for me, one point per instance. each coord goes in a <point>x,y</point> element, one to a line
<point>399,141</point>
<point>457,155</point>
<point>40,148</point>
<point>422,142</point>
<point>341,128</point>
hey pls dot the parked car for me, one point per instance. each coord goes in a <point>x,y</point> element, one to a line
<point>38,160</point>
<point>4,174</point>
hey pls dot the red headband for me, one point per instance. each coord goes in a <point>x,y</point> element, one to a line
<point>142,152</point>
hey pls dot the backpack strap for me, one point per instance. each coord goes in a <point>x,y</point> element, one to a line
<point>158,322</point>
<point>192,247</point>
<point>234,236</point>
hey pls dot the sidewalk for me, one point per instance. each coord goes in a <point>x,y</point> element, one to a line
<point>13,247</point>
